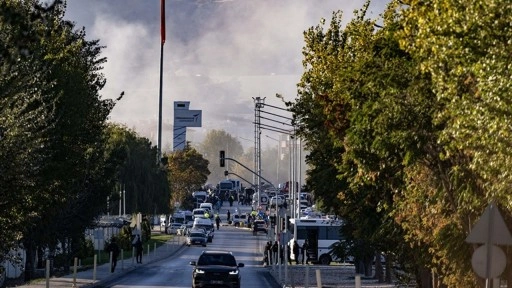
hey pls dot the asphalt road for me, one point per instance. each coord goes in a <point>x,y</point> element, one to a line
<point>176,271</point>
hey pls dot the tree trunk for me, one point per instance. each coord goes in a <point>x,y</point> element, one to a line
<point>29,261</point>
<point>425,278</point>
<point>379,273</point>
<point>388,269</point>
<point>368,267</point>
<point>67,255</point>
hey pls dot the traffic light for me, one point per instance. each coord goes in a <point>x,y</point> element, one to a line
<point>222,161</point>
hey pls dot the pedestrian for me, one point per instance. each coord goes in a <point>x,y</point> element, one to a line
<point>296,252</point>
<point>304,251</point>
<point>268,253</point>
<point>275,249</point>
<point>114,251</point>
<point>138,249</point>
<point>229,216</point>
<point>217,221</point>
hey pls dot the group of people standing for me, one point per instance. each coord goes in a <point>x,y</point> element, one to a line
<point>299,252</point>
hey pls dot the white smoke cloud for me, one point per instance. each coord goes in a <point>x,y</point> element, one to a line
<point>218,55</point>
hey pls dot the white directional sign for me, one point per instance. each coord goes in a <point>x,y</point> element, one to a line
<point>187,118</point>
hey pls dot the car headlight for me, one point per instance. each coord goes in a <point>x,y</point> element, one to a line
<point>199,271</point>
<point>233,272</point>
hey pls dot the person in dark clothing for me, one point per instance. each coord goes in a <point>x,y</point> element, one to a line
<point>304,251</point>
<point>138,249</point>
<point>275,249</point>
<point>217,221</point>
<point>229,216</point>
<point>113,248</point>
<point>296,252</point>
<point>268,253</point>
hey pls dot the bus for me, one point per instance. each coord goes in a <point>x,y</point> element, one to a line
<point>321,234</point>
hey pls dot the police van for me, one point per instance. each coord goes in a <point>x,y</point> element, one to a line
<point>206,224</point>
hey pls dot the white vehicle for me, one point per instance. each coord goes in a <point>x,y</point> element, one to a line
<point>198,213</point>
<point>239,220</point>
<point>303,204</point>
<point>178,217</point>
<point>208,206</point>
<point>173,228</point>
<point>237,186</point>
<point>278,199</point>
<point>199,197</point>
<point>207,224</point>
<point>321,234</point>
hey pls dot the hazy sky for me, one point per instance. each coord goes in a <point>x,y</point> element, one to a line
<point>218,55</point>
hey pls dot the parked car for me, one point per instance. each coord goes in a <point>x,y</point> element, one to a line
<point>197,237</point>
<point>216,268</point>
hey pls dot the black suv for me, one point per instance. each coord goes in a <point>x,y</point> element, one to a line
<point>216,268</point>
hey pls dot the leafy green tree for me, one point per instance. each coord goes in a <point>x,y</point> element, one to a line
<point>140,176</point>
<point>465,47</point>
<point>365,98</point>
<point>54,121</point>
<point>23,129</point>
<point>188,172</point>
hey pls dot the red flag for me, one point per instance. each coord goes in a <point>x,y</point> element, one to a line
<point>162,16</point>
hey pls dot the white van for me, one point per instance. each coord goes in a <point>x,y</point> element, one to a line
<point>207,224</point>
<point>198,213</point>
<point>208,206</point>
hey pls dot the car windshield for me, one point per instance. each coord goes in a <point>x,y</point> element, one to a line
<point>205,227</point>
<point>211,259</point>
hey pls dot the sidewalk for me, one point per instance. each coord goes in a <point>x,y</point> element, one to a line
<point>90,278</point>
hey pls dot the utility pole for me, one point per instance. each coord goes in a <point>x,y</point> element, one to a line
<point>258,104</point>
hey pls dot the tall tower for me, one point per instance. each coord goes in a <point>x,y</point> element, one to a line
<point>183,118</point>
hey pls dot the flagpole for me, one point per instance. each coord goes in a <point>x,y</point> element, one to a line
<point>162,31</point>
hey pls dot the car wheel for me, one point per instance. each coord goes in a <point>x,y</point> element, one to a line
<point>325,260</point>
<point>204,245</point>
